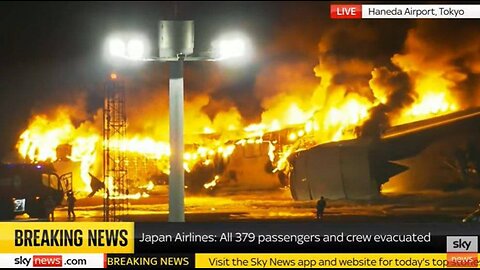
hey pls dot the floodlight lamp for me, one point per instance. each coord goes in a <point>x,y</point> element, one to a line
<point>231,48</point>
<point>135,49</point>
<point>117,47</point>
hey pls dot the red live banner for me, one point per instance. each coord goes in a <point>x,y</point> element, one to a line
<point>345,11</point>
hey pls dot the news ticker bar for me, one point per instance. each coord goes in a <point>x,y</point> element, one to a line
<point>309,260</point>
<point>404,11</point>
<point>241,260</point>
<point>250,245</point>
<point>304,237</point>
<point>246,237</point>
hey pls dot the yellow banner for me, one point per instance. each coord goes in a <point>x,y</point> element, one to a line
<point>67,237</point>
<point>328,260</point>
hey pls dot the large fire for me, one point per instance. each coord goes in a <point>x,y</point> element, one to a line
<point>40,140</point>
<point>434,98</point>
<point>345,93</point>
<point>44,135</point>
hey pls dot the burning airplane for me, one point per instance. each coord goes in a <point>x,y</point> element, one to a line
<point>358,168</point>
<point>339,132</point>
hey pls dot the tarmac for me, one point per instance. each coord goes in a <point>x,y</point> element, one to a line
<point>277,205</point>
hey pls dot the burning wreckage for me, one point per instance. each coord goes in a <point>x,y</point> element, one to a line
<point>374,117</point>
<point>352,169</point>
<point>358,168</point>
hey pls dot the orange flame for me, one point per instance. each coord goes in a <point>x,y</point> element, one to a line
<point>40,141</point>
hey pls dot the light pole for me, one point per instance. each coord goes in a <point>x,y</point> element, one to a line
<point>176,179</point>
<point>176,44</point>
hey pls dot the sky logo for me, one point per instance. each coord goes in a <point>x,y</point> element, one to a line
<point>462,251</point>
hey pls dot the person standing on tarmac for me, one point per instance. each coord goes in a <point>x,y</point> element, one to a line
<point>71,205</point>
<point>321,204</point>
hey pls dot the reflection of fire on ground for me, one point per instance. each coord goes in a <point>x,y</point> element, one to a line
<point>349,96</point>
<point>276,205</point>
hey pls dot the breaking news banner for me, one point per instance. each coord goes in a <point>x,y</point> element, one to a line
<point>237,245</point>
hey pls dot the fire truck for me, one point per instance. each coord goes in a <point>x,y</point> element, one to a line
<point>34,189</point>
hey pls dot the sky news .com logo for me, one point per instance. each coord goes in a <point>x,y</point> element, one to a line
<point>40,261</point>
<point>47,261</point>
